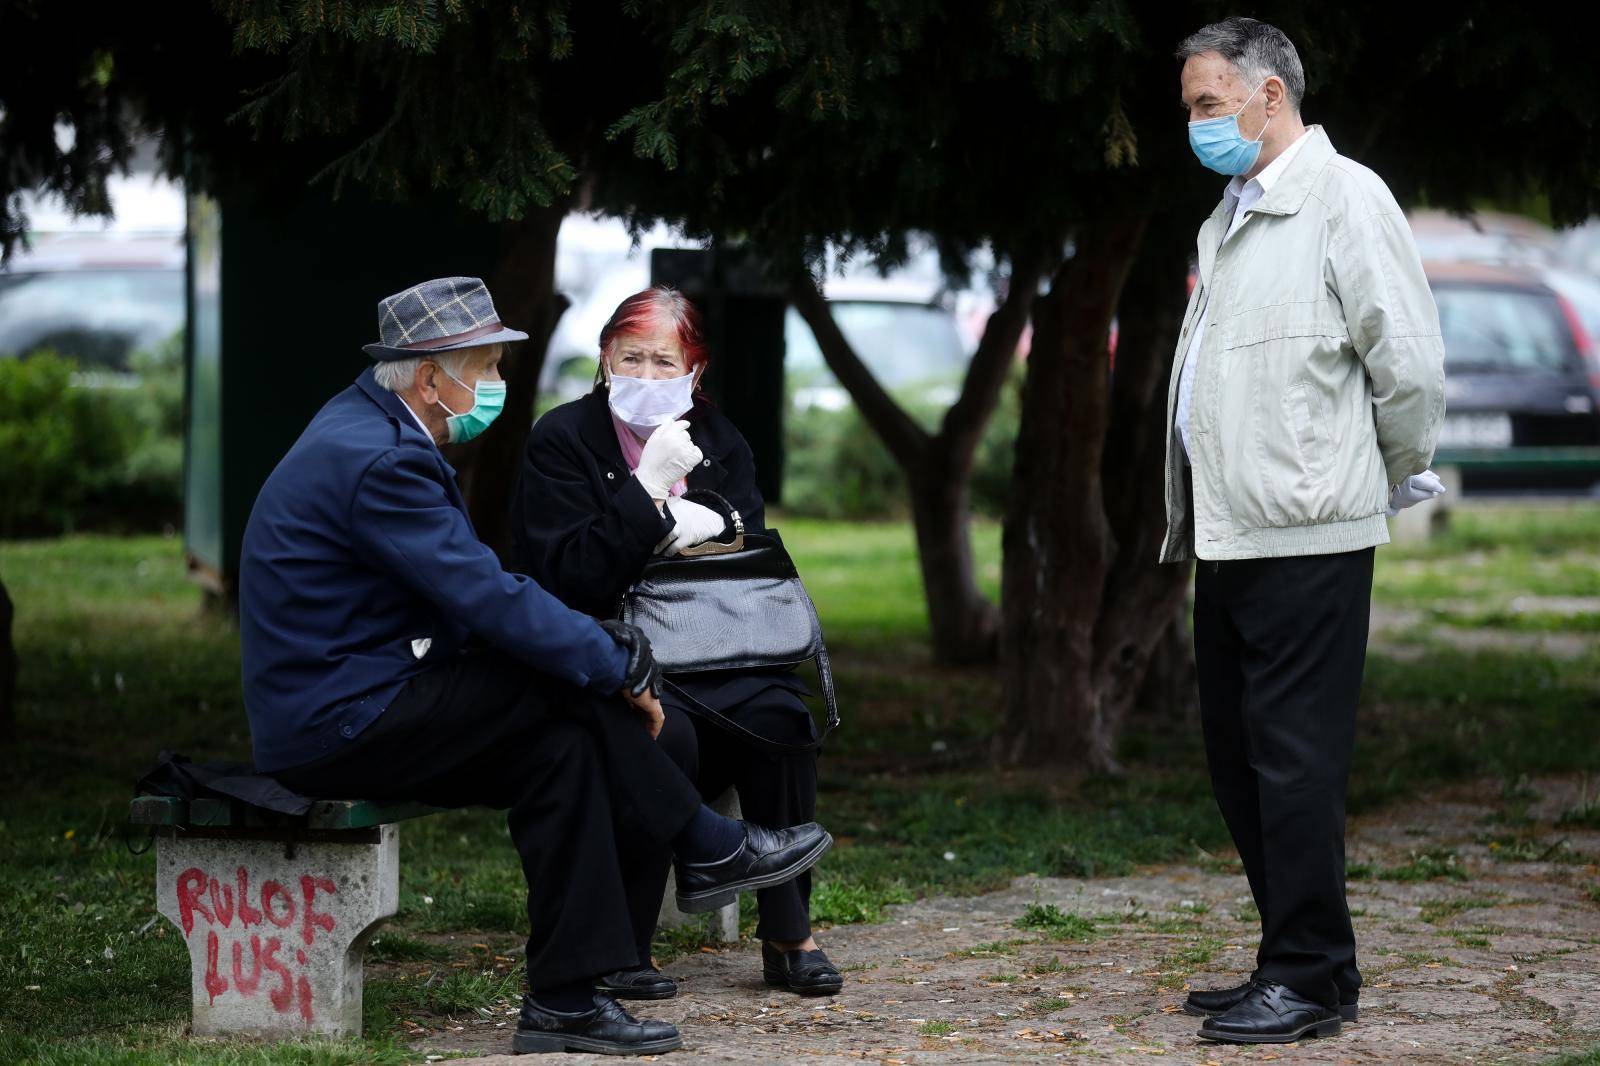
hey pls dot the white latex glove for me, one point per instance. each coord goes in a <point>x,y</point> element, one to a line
<point>1414,490</point>
<point>694,525</point>
<point>668,457</point>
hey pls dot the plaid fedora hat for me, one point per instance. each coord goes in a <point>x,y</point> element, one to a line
<point>438,316</point>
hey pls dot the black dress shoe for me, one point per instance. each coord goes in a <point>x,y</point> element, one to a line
<point>645,982</point>
<point>1210,1002</point>
<point>767,857</point>
<point>1271,1013</point>
<point>605,1028</point>
<point>806,972</point>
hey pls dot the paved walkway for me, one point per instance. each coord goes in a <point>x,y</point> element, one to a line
<point>1503,964</point>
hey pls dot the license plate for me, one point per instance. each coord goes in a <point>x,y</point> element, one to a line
<point>1475,431</point>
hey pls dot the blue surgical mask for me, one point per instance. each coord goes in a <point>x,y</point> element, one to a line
<point>1221,147</point>
<point>488,398</point>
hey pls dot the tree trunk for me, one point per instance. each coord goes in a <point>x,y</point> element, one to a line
<point>1145,651</point>
<point>964,623</point>
<point>1057,541</point>
<point>525,296</point>
<point>8,669</point>
<point>1085,604</point>
<point>1168,696</point>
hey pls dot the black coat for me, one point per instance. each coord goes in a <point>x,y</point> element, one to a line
<point>583,528</point>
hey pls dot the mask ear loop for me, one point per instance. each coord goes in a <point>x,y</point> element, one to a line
<point>1246,104</point>
<point>440,401</point>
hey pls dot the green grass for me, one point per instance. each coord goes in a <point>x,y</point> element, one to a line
<point>1177,964</point>
<point>1057,924</point>
<point>936,1027</point>
<point>1530,848</point>
<point>119,662</point>
<point>1435,864</point>
<point>1586,812</point>
<point>887,610</point>
<point>1436,911</point>
<point>989,949</point>
<point>1491,555</point>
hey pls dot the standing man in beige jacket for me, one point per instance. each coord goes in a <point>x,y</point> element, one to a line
<point>1306,396</point>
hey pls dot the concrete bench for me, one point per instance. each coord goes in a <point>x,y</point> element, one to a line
<point>277,910</point>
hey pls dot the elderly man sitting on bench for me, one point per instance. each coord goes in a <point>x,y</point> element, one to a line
<point>388,656</point>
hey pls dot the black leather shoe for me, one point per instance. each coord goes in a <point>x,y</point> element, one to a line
<point>645,982</point>
<point>767,857</point>
<point>605,1028</point>
<point>1210,1002</point>
<point>806,972</point>
<point>1271,1013</point>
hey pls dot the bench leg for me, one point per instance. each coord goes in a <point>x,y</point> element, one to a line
<point>278,930</point>
<point>724,920</point>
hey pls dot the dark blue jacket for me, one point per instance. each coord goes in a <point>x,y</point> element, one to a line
<point>360,570</point>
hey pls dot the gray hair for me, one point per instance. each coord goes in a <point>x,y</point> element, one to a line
<point>1255,49</point>
<point>397,375</point>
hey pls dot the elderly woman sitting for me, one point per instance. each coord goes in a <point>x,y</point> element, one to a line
<point>601,490</point>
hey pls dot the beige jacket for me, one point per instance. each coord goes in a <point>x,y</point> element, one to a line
<point>1320,382</point>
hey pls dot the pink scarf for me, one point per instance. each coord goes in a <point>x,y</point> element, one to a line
<point>633,448</point>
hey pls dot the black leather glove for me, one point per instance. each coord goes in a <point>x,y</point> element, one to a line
<point>642,675</point>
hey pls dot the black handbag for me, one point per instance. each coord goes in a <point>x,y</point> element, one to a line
<point>730,606</point>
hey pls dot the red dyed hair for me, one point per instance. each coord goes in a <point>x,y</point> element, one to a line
<point>649,310</point>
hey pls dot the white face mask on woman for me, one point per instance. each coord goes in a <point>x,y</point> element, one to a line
<point>642,404</point>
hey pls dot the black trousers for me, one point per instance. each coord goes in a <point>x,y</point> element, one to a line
<point>777,790</point>
<point>1280,645</point>
<point>586,790</point>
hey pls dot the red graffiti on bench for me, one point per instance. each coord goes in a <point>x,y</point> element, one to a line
<point>229,902</point>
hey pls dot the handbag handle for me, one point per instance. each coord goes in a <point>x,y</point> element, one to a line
<point>716,547</point>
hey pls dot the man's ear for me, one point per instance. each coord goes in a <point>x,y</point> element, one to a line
<point>426,382</point>
<point>1275,95</point>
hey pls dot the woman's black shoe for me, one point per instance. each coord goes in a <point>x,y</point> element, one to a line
<point>806,972</point>
<point>646,982</point>
<point>1271,1013</point>
<point>605,1028</point>
<point>767,857</point>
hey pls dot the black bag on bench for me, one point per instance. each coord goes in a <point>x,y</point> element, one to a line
<point>177,775</point>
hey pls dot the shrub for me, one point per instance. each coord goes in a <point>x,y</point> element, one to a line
<point>836,467</point>
<point>90,451</point>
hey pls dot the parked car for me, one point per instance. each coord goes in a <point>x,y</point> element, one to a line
<point>98,290</point>
<point>910,342</point>
<point>1579,248</point>
<point>1482,237</point>
<point>913,331</point>
<point>1520,371</point>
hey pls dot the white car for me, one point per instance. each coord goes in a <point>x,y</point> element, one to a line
<point>93,289</point>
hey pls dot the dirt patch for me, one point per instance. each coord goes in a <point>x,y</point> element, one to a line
<point>1502,964</point>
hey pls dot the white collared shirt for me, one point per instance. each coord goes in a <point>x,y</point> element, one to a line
<point>1245,195</point>
<point>426,432</point>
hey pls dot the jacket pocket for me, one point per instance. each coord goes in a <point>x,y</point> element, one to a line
<point>1280,323</point>
<point>1305,416</point>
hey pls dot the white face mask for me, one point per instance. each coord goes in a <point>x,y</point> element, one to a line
<point>643,404</point>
